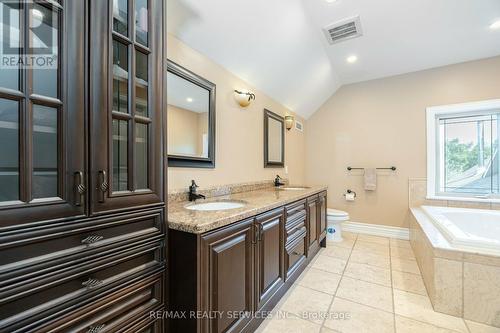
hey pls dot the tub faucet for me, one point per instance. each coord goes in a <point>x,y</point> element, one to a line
<point>277,181</point>
<point>192,192</point>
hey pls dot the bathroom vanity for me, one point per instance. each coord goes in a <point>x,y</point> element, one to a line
<point>229,268</point>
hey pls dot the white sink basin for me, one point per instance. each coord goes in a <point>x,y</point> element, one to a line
<point>293,188</point>
<point>216,205</point>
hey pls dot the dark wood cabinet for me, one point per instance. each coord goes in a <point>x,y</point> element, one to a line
<point>42,111</point>
<point>269,248</point>
<point>77,251</point>
<point>240,270</point>
<point>312,220</point>
<point>126,69</point>
<point>228,276</point>
<point>296,236</point>
<point>322,206</point>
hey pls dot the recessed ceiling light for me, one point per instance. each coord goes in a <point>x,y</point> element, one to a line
<point>352,59</point>
<point>189,99</point>
<point>495,25</point>
<point>331,1</point>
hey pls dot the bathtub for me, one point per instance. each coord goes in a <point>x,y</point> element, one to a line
<point>458,253</point>
<point>469,230</point>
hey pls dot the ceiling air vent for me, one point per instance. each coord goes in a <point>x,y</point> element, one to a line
<point>343,30</point>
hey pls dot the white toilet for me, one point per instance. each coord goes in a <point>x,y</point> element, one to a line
<point>335,218</point>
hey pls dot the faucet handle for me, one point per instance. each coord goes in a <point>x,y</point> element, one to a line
<point>193,184</point>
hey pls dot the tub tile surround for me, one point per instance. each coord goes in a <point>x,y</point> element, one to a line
<point>482,293</point>
<point>354,305</point>
<point>458,283</point>
<point>417,193</point>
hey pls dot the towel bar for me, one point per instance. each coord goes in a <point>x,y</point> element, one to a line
<point>393,168</point>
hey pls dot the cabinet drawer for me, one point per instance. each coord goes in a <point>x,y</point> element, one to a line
<point>42,296</point>
<point>294,208</point>
<point>127,310</point>
<point>54,248</point>
<point>294,225</point>
<point>295,253</point>
<point>298,215</point>
<point>300,231</point>
<point>148,325</point>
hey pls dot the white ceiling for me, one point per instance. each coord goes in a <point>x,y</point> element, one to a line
<point>279,47</point>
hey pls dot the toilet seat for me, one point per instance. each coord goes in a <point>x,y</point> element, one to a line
<point>336,215</point>
<point>336,212</point>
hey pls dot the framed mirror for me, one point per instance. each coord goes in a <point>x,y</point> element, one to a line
<point>274,140</point>
<point>190,119</point>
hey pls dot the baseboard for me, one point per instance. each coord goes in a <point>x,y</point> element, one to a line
<point>377,230</point>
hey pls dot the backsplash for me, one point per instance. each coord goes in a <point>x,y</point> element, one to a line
<point>417,191</point>
<point>220,190</point>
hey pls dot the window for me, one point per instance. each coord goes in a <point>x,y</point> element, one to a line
<point>462,151</point>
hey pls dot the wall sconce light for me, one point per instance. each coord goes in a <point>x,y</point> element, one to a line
<point>244,98</point>
<point>289,122</point>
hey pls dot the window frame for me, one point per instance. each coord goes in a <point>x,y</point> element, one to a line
<point>433,115</point>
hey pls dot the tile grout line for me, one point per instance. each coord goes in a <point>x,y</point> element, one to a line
<point>467,326</point>
<point>430,324</point>
<point>414,319</point>
<point>338,286</point>
<point>342,275</point>
<point>463,297</point>
<point>392,290</point>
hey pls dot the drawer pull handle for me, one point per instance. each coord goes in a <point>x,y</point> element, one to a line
<point>91,283</point>
<point>92,239</point>
<point>295,253</point>
<point>96,328</point>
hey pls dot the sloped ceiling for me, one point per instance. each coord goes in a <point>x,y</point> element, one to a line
<point>279,47</point>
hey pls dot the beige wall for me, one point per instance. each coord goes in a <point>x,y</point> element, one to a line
<point>382,123</point>
<point>239,132</point>
<point>185,136</point>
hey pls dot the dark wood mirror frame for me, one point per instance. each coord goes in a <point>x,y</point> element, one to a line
<point>271,164</point>
<point>188,161</point>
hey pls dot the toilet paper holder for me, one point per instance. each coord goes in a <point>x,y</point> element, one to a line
<point>349,192</point>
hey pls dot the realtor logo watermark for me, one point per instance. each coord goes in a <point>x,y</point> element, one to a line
<point>40,52</point>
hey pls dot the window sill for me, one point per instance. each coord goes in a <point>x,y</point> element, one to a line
<point>465,199</point>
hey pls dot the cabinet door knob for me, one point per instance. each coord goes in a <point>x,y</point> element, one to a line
<point>91,283</point>
<point>96,328</point>
<point>79,188</point>
<point>92,239</point>
<point>102,185</point>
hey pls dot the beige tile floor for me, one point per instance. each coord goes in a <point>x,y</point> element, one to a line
<point>363,284</point>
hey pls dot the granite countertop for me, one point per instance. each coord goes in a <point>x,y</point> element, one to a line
<point>258,201</point>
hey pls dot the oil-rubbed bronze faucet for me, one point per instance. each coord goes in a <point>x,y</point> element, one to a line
<point>277,181</point>
<point>192,192</point>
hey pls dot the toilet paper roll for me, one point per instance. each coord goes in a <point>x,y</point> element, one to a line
<point>349,196</point>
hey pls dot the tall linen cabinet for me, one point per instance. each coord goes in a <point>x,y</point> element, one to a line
<point>82,209</point>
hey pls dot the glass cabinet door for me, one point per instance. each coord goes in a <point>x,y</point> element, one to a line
<point>126,100</point>
<point>42,152</point>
